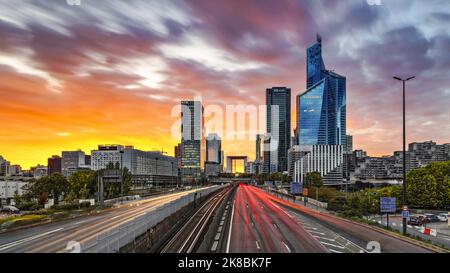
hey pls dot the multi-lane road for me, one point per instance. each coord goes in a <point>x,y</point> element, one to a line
<point>251,221</point>
<point>260,225</point>
<point>54,237</point>
<point>262,222</point>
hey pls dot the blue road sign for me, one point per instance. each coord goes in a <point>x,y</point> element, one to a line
<point>387,204</point>
<point>405,213</point>
<point>296,188</point>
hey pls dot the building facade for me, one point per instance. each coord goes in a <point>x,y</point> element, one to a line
<point>72,161</point>
<point>325,159</point>
<point>321,109</point>
<point>321,120</point>
<point>54,164</point>
<point>278,102</point>
<point>192,140</point>
<point>147,168</point>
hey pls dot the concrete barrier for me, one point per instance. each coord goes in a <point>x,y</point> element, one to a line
<point>112,240</point>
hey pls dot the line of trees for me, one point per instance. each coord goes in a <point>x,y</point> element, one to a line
<point>81,184</point>
<point>427,188</point>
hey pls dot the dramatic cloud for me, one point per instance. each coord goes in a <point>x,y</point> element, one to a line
<point>111,71</point>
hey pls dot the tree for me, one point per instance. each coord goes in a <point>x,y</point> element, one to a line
<point>58,186</point>
<point>83,184</point>
<point>429,187</point>
<point>313,179</point>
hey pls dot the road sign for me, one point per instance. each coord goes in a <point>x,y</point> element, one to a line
<point>296,188</point>
<point>387,204</point>
<point>405,213</point>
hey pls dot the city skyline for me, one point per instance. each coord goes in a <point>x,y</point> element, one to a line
<point>92,91</point>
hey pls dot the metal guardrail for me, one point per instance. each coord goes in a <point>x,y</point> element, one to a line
<point>112,240</point>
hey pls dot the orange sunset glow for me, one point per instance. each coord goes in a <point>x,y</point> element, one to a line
<point>111,73</point>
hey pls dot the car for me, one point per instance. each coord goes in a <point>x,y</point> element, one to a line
<point>9,209</point>
<point>415,221</point>
<point>443,217</point>
<point>431,218</point>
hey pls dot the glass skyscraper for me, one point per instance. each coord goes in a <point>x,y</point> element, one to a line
<point>321,109</point>
<point>278,101</point>
<point>192,139</point>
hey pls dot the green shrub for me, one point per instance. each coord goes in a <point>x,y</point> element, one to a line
<point>69,206</point>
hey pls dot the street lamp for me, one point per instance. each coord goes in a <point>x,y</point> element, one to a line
<point>404,151</point>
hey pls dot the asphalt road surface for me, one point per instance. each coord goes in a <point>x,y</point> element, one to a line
<point>341,235</point>
<point>54,237</point>
<point>260,225</point>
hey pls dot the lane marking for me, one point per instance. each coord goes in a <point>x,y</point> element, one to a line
<point>18,242</point>
<point>257,245</point>
<point>308,227</point>
<point>333,245</point>
<point>324,238</point>
<point>316,232</point>
<point>335,251</point>
<point>231,228</point>
<point>288,249</point>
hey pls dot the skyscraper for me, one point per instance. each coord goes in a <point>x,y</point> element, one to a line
<point>321,109</point>
<point>349,144</point>
<point>278,101</point>
<point>321,120</point>
<point>192,139</point>
<point>258,154</point>
<point>213,148</point>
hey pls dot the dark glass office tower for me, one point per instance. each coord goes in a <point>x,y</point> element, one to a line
<point>321,108</point>
<point>278,101</point>
<point>192,139</point>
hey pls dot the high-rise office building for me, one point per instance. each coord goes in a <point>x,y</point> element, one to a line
<point>213,148</point>
<point>349,144</point>
<point>192,139</point>
<point>321,120</point>
<point>321,109</point>
<point>54,164</point>
<point>258,153</point>
<point>278,101</point>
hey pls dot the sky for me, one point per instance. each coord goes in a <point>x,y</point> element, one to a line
<point>107,72</point>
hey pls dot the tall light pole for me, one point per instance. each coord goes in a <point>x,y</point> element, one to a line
<point>404,148</point>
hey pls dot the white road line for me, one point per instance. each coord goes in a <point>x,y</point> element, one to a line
<point>18,242</point>
<point>316,232</point>
<point>324,238</point>
<point>115,217</point>
<point>286,246</point>
<point>335,251</point>
<point>257,245</point>
<point>308,227</point>
<point>333,245</point>
<point>231,228</point>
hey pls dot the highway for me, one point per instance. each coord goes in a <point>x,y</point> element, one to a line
<point>190,234</point>
<point>261,226</point>
<point>338,234</point>
<point>53,237</point>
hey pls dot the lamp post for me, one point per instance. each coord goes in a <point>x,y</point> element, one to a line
<point>404,149</point>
